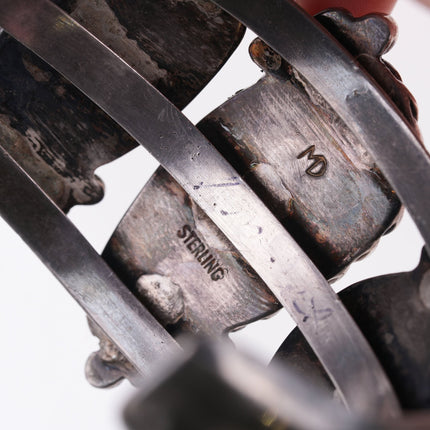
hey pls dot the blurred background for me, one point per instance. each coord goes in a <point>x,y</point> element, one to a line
<point>45,340</point>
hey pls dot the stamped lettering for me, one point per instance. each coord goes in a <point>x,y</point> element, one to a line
<point>201,253</point>
<point>319,165</point>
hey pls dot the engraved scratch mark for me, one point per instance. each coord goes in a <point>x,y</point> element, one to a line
<point>318,314</point>
<point>225,213</point>
<point>321,314</point>
<point>232,182</point>
<point>297,308</point>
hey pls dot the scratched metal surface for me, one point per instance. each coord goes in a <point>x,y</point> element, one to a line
<point>60,137</point>
<point>393,311</point>
<point>355,96</point>
<point>367,39</point>
<point>308,167</point>
<point>165,233</point>
<point>337,206</point>
<point>80,269</point>
<point>218,190</point>
<point>299,156</point>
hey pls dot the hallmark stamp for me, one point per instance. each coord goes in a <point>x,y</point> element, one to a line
<point>201,253</point>
<point>319,165</point>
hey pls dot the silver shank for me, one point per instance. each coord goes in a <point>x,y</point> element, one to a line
<point>357,99</point>
<point>215,186</point>
<point>75,263</point>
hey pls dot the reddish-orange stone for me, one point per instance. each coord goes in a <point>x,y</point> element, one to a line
<point>356,7</point>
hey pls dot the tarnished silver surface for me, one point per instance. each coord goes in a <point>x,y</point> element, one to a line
<point>59,136</point>
<point>392,313</point>
<point>218,190</point>
<point>367,39</point>
<point>178,263</point>
<point>357,100</point>
<point>308,168</point>
<point>302,160</point>
<point>173,257</point>
<point>67,254</point>
<point>177,45</point>
<point>108,366</point>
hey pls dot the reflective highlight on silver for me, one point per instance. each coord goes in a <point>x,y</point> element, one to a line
<point>215,186</point>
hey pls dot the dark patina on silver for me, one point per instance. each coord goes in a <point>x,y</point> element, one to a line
<point>253,230</point>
